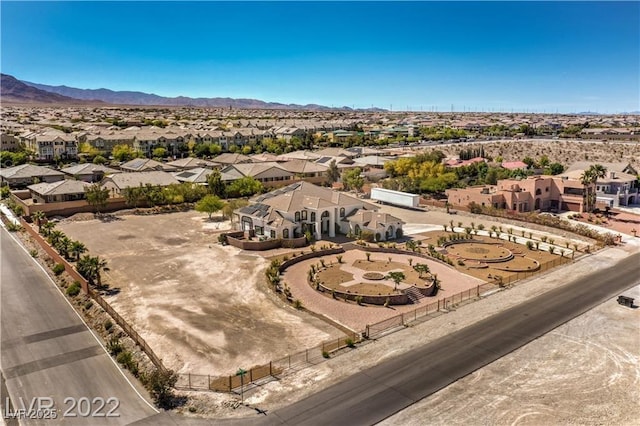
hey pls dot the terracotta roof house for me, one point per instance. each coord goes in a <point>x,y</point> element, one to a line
<point>514,165</point>
<point>290,211</point>
<point>614,190</point>
<point>26,174</point>
<point>88,172</point>
<point>535,193</point>
<point>145,165</point>
<point>64,190</point>
<point>121,181</point>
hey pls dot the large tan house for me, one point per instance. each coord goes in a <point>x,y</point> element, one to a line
<point>542,193</point>
<point>291,211</point>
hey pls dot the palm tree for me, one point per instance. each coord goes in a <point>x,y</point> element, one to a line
<point>39,218</point>
<point>77,248</point>
<point>588,178</point>
<point>47,228</point>
<point>86,268</point>
<point>397,278</point>
<point>63,245</point>
<point>100,266</point>
<point>54,237</point>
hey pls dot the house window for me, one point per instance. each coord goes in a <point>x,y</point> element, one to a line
<point>313,216</point>
<point>259,230</point>
<point>285,233</point>
<point>297,216</point>
<point>546,189</point>
<point>342,212</point>
<point>304,215</point>
<point>272,234</point>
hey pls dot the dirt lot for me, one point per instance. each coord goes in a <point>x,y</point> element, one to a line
<point>563,151</point>
<point>584,372</point>
<point>202,307</point>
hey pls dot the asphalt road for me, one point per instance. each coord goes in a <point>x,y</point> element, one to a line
<point>379,392</point>
<point>47,351</point>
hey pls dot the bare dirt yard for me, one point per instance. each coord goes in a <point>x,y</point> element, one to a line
<point>563,151</point>
<point>202,307</point>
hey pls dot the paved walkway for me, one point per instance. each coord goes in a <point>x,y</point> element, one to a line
<point>356,317</point>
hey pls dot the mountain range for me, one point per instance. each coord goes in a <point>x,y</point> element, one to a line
<point>71,94</point>
<point>15,91</point>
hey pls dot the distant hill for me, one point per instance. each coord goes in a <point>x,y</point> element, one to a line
<point>15,91</point>
<point>149,99</point>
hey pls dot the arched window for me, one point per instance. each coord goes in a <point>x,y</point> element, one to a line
<point>538,191</point>
<point>297,216</point>
<point>285,233</point>
<point>325,214</point>
<point>342,212</point>
<point>313,216</point>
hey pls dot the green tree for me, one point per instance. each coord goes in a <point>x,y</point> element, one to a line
<point>209,204</point>
<point>333,174</point>
<point>396,277</point>
<point>123,152</point>
<point>352,179</point>
<point>421,269</point>
<point>215,149</point>
<point>39,217</point>
<point>47,228</point>
<point>231,206</point>
<point>216,185</point>
<point>159,152</point>
<point>244,187</point>
<point>97,196</point>
<point>77,248</point>
<point>160,385</point>
<point>554,169</point>
<point>99,159</point>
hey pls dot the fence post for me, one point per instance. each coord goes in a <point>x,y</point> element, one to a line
<point>289,361</point>
<point>230,384</point>
<point>189,375</point>
<point>306,355</point>
<point>251,375</point>
<point>438,306</point>
<point>270,368</point>
<point>209,381</point>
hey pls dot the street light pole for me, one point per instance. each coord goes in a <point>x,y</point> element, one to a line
<point>241,373</point>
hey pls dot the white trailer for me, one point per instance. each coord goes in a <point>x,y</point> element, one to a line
<point>397,198</point>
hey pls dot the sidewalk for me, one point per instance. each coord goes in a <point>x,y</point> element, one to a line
<point>9,214</point>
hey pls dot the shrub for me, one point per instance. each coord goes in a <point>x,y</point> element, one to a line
<point>126,359</point>
<point>108,325</point>
<point>222,239</point>
<point>33,253</point>
<point>114,346</point>
<point>297,304</point>
<point>529,245</point>
<point>460,262</point>
<point>325,354</point>
<point>367,236</point>
<point>12,227</point>
<point>74,289</point>
<point>358,300</point>
<point>160,384</point>
<point>58,269</point>
<point>339,258</point>
<point>350,343</point>
<point>88,305</point>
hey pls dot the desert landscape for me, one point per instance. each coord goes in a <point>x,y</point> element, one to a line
<point>202,307</point>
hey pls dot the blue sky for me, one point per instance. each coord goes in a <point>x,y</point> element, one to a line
<point>568,57</point>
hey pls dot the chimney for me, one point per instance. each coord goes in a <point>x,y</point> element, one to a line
<point>612,175</point>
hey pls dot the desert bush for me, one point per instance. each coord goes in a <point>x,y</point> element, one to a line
<point>297,304</point>
<point>58,269</point>
<point>74,289</point>
<point>108,325</point>
<point>339,258</point>
<point>88,305</point>
<point>325,354</point>
<point>33,253</point>
<point>114,346</point>
<point>350,343</point>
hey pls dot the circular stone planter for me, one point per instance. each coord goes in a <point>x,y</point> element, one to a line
<point>376,276</point>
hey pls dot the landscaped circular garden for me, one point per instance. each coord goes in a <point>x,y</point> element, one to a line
<point>482,252</point>
<point>372,279</point>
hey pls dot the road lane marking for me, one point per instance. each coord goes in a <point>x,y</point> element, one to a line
<point>52,361</point>
<point>85,324</point>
